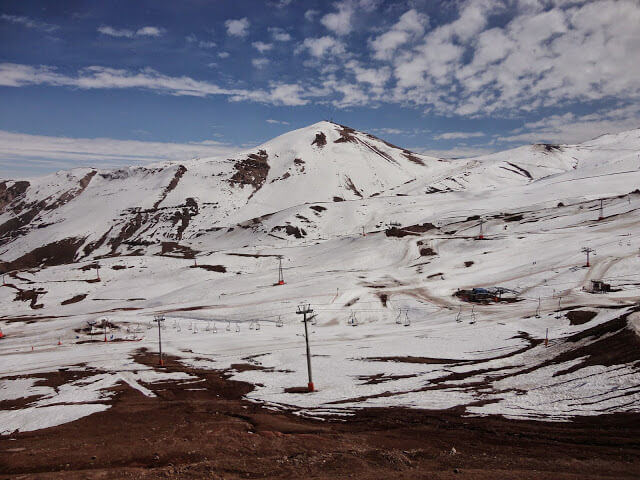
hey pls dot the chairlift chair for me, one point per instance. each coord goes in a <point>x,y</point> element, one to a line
<point>407,322</point>
<point>237,327</point>
<point>399,318</point>
<point>215,329</point>
<point>257,325</point>
<point>228,326</point>
<point>279,322</point>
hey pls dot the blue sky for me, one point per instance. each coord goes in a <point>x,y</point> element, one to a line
<point>124,82</point>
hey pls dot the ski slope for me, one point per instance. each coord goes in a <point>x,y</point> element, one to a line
<point>365,230</point>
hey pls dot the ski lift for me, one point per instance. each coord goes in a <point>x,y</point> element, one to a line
<point>459,315</point>
<point>237,327</point>
<point>179,329</point>
<point>195,328</point>
<point>228,326</point>
<point>407,322</point>
<point>279,322</point>
<point>399,318</point>
<point>175,324</point>
<point>257,325</point>
<point>251,325</point>
<point>313,319</point>
<point>353,321</point>
<point>215,329</point>
<point>191,326</point>
<point>208,327</point>
<point>473,315</point>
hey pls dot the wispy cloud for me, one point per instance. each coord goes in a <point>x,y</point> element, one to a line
<point>23,154</point>
<point>260,62</point>
<point>277,122</point>
<point>96,77</point>
<point>571,128</point>
<point>126,33</point>
<point>191,38</point>
<point>456,152</point>
<point>458,135</point>
<point>29,22</point>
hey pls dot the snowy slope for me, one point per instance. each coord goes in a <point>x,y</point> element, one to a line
<point>366,230</point>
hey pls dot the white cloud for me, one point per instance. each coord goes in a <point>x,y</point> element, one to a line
<point>570,128</point>
<point>149,32</point>
<point>126,33</point>
<point>262,47</point>
<point>29,22</point>
<point>319,47</point>
<point>95,77</point>
<point>548,55</point>
<point>410,26</point>
<point>340,22</point>
<point>376,77</point>
<point>23,154</point>
<point>458,135</point>
<point>260,62</point>
<point>279,35</point>
<point>223,54</point>
<point>388,131</point>
<point>238,28</point>
<point>277,122</point>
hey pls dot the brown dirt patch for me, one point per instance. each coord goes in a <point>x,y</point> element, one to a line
<point>212,268</point>
<point>210,432</point>
<point>75,299</point>
<point>580,317</point>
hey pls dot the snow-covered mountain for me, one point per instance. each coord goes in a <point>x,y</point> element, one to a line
<point>105,212</point>
<point>366,230</point>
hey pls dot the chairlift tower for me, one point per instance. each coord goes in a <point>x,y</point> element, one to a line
<point>304,310</point>
<point>601,214</point>
<point>159,319</point>
<point>280,272</point>
<point>587,250</point>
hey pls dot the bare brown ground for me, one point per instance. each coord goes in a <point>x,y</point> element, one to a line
<point>213,433</point>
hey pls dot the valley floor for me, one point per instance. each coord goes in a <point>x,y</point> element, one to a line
<point>213,432</point>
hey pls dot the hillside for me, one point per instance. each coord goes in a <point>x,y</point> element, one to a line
<point>377,239</point>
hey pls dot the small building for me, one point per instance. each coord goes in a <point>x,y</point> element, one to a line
<point>598,286</point>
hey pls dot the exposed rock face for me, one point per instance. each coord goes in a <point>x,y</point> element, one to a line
<point>55,253</point>
<point>320,140</point>
<point>9,191</point>
<point>172,184</point>
<point>252,171</point>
